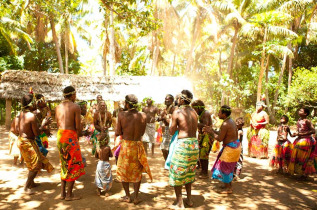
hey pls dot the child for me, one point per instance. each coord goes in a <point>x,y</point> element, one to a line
<point>238,168</point>
<point>103,177</point>
<point>283,149</point>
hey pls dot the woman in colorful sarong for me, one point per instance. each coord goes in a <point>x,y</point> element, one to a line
<point>258,135</point>
<point>283,149</point>
<point>304,155</point>
<point>103,177</point>
<point>228,156</point>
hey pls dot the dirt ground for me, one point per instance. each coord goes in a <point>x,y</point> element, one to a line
<point>258,188</point>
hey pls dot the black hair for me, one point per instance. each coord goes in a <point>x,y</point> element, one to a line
<point>226,110</point>
<point>240,121</point>
<point>170,96</point>
<point>306,110</point>
<point>38,96</point>
<point>26,100</point>
<point>198,103</point>
<point>68,90</point>
<point>132,100</point>
<point>285,117</point>
<point>188,96</point>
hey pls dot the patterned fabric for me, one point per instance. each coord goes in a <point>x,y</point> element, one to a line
<point>149,135</point>
<point>103,178</point>
<point>239,165</point>
<point>258,142</point>
<point>72,166</point>
<point>34,159</point>
<point>171,150</point>
<point>39,143</point>
<point>281,155</point>
<point>13,145</point>
<point>132,162</point>
<point>205,145</point>
<point>184,159</point>
<point>166,139</point>
<point>226,161</point>
<point>303,159</point>
<point>44,139</point>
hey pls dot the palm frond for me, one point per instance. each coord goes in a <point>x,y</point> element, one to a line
<point>281,31</point>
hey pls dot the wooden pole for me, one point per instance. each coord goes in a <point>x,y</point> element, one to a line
<point>8,113</point>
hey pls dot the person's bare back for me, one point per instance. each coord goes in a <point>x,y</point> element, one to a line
<point>131,125</point>
<point>185,120</point>
<point>228,131</point>
<point>150,111</point>
<point>68,116</point>
<point>103,153</point>
<point>28,127</point>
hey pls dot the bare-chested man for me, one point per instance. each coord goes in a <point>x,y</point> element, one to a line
<point>28,130</point>
<point>205,140</point>
<point>132,159</point>
<point>166,116</point>
<point>229,155</point>
<point>69,128</point>
<point>149,136</point>
<point>102,122</point>
<point>186,152</point>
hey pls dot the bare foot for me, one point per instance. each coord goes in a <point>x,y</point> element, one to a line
<point>136,201</point>
<point>189,202</point>
<point>175,207</point>
<point>62,197</point>
<point>227,191</point>
<point>72,198</point>
<point>33,185</point>
<point>98,191</point>
<point>125,199</point>
<point>107,194</point>
<point>29,191</point>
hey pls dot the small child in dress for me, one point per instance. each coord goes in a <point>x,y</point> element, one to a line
<point>103,177</point>
<point>239,165</point>
<point>283,148</point>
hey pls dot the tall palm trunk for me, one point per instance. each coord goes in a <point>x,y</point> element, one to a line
<point>112,54</point>
<point>259,92</point>
<point>233,47</point>
<point>58,50</point>
<point>66,49</point>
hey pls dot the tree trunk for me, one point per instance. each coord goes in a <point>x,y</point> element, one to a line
<point>290,74</point>
<point>173,68</point>
<point>66,53</point>
<point>58,50</point>
<point>155,45</point>
<point>196,32</point>
<point>233,47</point>
<point>272,117</point>
<point>8,113</point>
<point>259,92</point>
<point>219,65</point>
<point>112,50</point>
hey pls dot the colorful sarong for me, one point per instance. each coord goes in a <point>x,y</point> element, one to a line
<point>149,135</point>
<point>72,166</point>
<point>171,151</point>
<point>39,143</point>
<point>226,161</point>
<point>94,141</point>
<point>13,145</point>
<point>166,139</point>
<point>281,155</point>
<point>132,162</point>
<point>239,165</point>
<point>184,160</point>
<point>304,158</point>
<point>103,178</point>
<point>205,146</point>
<point>33,158</point>
<point>44,139</point>
<point>258,142</point>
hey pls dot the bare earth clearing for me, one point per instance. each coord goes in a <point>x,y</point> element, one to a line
<point>258,189</point>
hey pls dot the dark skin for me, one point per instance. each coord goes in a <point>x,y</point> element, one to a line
<point>150,112</point>
<point>68,117</point>
<point>42,107</point>
<point>311,130</point>
<point>29,129</point>
<point>102,111</point>
<point>185,120</point>
<point>283,130</point>
<point>228,133</point>
<point>131,125</point>
<point>165,117</point>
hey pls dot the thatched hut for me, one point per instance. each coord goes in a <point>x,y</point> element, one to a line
<point>14,84</point>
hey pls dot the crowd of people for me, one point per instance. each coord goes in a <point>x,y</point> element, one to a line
<point>188,136</point>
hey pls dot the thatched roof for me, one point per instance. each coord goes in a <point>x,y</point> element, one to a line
<point>14,84</point>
